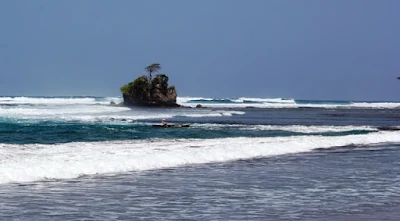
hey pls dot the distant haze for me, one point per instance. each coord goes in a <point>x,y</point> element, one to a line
<point>306,49</point>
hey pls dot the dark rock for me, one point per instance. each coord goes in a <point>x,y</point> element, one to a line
<point>199,106</point>
<point>112,103</point>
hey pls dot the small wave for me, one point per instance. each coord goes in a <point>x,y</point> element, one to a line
<point>359,147</point>
<point>388,128</point>
<point>312,129</point>
<point>266,100</point>
<point>377,105</point>
<point>223,101</point>
<point>323,102</point>
<point>9,105</point>
<point>235,102</point>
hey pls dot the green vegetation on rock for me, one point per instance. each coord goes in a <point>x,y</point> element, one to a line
<point>138,88</point>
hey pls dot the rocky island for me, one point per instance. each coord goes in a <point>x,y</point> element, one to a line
<point>146,91</point>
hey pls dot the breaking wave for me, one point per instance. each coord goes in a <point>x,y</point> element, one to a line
<point>33,162</point>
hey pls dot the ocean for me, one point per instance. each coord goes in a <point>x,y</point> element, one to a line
<point>78,158</point>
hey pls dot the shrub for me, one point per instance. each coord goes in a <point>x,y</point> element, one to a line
<point>138,89</point>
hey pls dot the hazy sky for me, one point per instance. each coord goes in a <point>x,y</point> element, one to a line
<point>304,49</point>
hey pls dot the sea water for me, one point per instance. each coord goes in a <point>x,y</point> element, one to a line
<point>78,158</point>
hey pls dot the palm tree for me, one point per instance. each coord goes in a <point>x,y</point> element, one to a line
<point>152,68</point>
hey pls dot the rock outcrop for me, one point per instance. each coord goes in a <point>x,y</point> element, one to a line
<point>154,93</point>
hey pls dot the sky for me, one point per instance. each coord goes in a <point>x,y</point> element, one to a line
<point>303,49</point>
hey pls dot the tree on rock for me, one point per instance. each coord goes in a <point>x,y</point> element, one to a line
<point>152,68</point>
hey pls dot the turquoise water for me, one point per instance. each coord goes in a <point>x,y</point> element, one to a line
<point>79,158</point>
<point>57,132</point>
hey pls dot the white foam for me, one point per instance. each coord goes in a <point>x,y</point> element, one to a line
<point>70,112</point>
<point>281,103</point>
<point>238,103</point>
<point>266,100</point>
<point>380,105</point>
<point>94,113</point>
<point>291,128</point>
<point>33,162</point>
<point>241,105</point>
<point>184,100</point>
<point>58,100</point>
